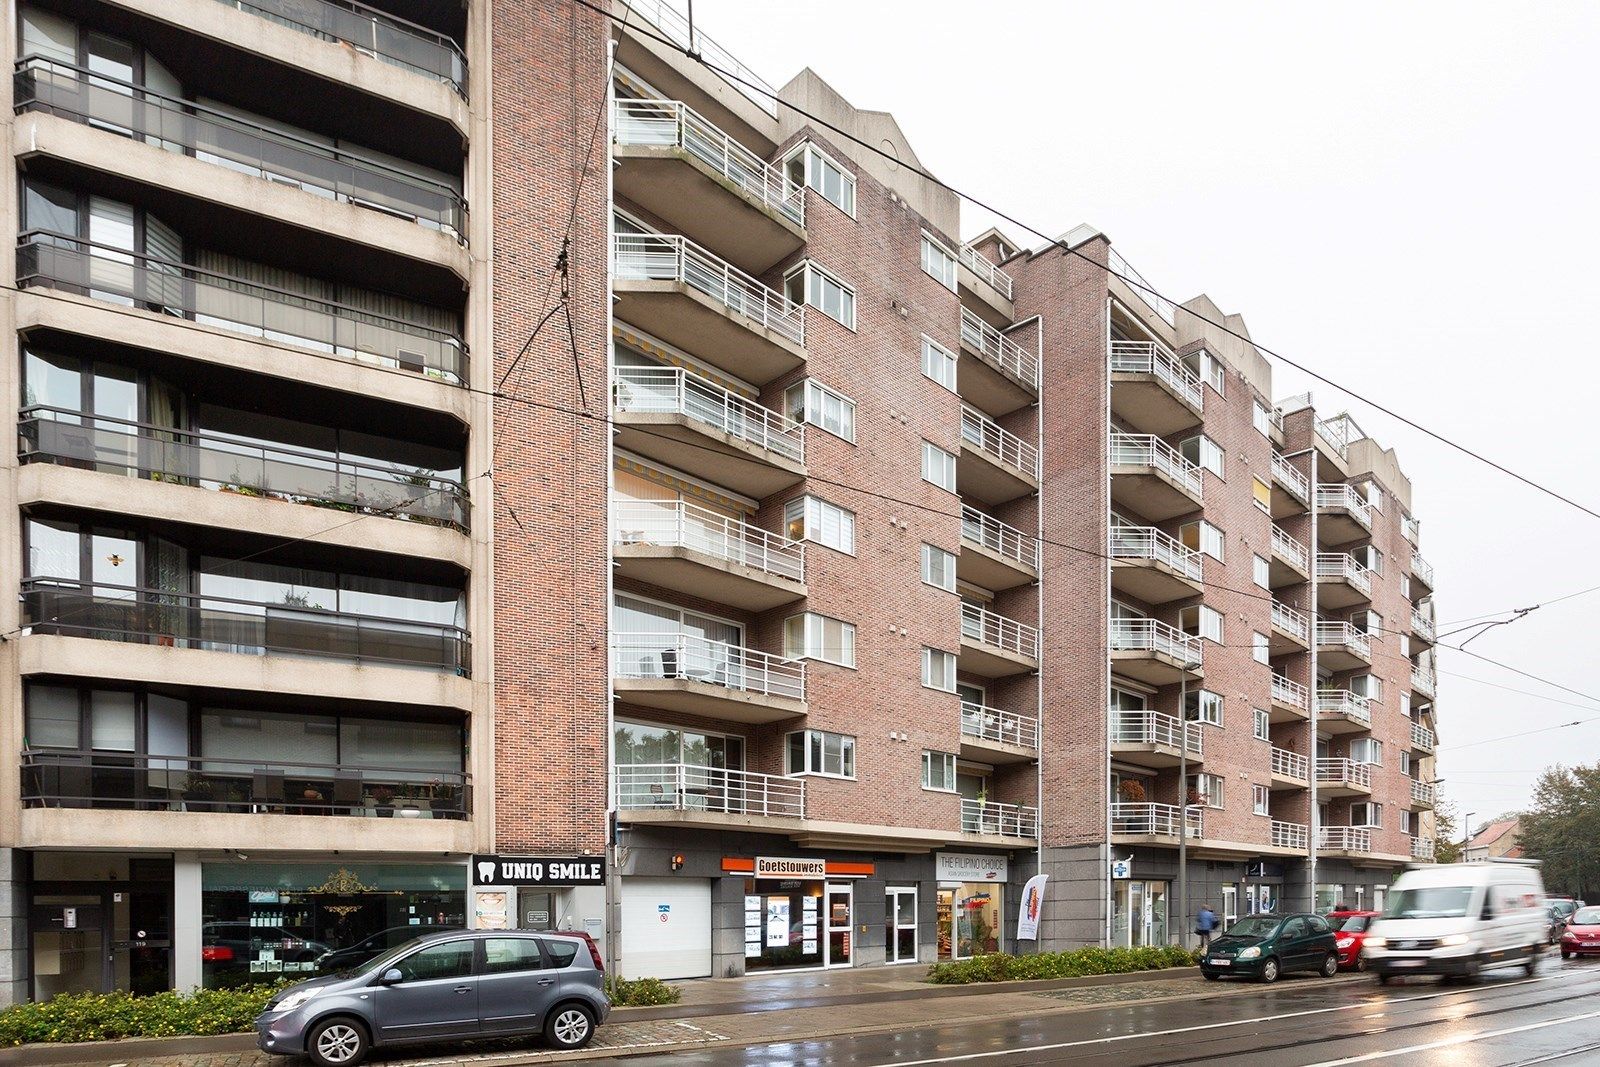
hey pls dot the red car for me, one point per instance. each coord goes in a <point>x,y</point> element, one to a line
<point>1349,930</point>
<point>1582,935</point>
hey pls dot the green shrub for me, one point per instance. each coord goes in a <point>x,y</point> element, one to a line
<point>640,992</point>
<point>110,1016</point>
<point>1003,967</point>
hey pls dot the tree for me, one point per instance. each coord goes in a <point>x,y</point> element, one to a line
<point>1558,829</point>
<point>1446,833</point>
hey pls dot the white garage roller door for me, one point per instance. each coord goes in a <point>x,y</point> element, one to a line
<point>666,928</point>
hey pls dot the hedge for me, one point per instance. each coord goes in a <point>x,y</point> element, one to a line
<point>1004,967</point>
<point>640,992</point>
<point>110,1016</point>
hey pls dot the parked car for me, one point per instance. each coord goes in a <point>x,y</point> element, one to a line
<point>446,986</point>
<point>343,959</point>
<point>1582,934</point>
<point>1266,946</point>
<point>1349,931</point>
<point>1458,919</point>
<point>1563,906</point>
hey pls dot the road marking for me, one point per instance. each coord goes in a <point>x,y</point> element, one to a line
<point>1464,1039</point>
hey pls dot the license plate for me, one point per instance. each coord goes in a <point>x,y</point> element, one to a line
<point>1590,942</point>
<point>1408,963</point>
<point>1221,963</point>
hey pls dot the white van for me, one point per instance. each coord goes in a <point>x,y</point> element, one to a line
<point>1458,919</point>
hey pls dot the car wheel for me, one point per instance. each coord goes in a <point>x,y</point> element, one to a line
<point>1565,954</point>
<point>1269,970</point>
<point>1361,963</point>
<point>337,1042</point>
<point>569,1026</point>
<point>1330,966</point>
<point>1470,972</point>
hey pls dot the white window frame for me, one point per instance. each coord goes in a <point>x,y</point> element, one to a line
<point>947,760</point>
<point>846,751</point>
<point>1369,557</point>
<point>1209,539</point>
<point>1407,817</point>
<point>1263,506</point>
<point>1208,622</point>
<point>1207,704</point>
<point>1407,764</point>
<point>1261,571</point>
<point>1372,812</point>
<point>1261,647</point>
<point>1405,586</point>
<point>1405,645</point>
<point>1405,705</point>
<point>935,559</point>
<point>814,644</point>
<point>1261,729</point>
<point>815,273</point>
<point>814,515</point>
<point>938,363</point>
<point>815,159</point>
<point>1211,788</point>
<point>1262,419</point>
<point>947,662</point>
<point>1207,454</point>
<point>931,451</point>
<point>1367,750</point>
<point>1261,801</point>
<point>937,268</point>
<point>812,408</point>
<point>1367,685</point>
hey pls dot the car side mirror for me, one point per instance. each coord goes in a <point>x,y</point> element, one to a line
<point>391,977</point>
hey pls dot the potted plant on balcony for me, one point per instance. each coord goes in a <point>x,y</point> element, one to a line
<point>1131,791</point>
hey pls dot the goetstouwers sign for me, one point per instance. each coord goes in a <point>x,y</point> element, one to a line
<point>538,870</point>
<point>779,867</point>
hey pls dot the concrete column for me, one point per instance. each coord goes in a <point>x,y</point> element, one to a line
<point>186,920</point>
<point>15,981</point>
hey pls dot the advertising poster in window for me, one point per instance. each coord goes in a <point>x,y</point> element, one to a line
<point>777,922</point>
<point>752,926</point>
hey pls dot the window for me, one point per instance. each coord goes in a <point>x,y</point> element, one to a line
<point>1209,787</point>
<point>1263,724</point>
<point>807,518</point>
<point>816,752</point>
<point>1367,685</point>
<point>810,166</point>
<point>1203,537</point>
<point>1406,764</point>
<point>1197,620</point>
<point>1373,495</point>
<point>1367,750</point>
<point>1262,418</point>
<point>939,568</point>
<point>939,364</point>
<point>1260,800</point>
<point>938,466</point>
<point>1405,586</point>
<point>811,401</point>
<point>939,771</point>
<point>1230,904</point>
<point>1261,647</point>
<point>503,955</point>
<point>1202,705</point>
<point>1260,570</point>
<point>1367,814</point>
<point>452,959</point>
<point>1207,368</point>
<point>1406,821</point>
<point>813,636</point>
<point>1202,451</point>
<point>937,262</point>
<point>939,670</point>
<point>1405,646</point>
<point>561,953</point>
<point>810,284</point>
<point>1263,494</point>
<point>1369,558</point>
<point>1368,622</point>
<point>53,717</point>
<point>1405,704</point>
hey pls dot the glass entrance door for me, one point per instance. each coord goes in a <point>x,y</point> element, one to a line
<point>69,950</point>
<point>839,916</point>
<point>536,909</point>
<point>900,926</point>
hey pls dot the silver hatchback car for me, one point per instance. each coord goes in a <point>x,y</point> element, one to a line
<point>456,985</point>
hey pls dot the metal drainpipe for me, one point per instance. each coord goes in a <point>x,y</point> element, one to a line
<point>1105,699</point>
<point>1311,691</point>
<point>1183,807</point>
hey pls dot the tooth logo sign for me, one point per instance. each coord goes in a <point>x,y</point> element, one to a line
<point>486,872</point>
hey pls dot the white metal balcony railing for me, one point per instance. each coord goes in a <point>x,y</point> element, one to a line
<point>675,391</point>
<point>1158,820</point>
<point>1422,793</point>
<point>1147,357</point>
<point>992,724</point>
<point>672,123</point>
<point>1339,495</point>
<point>1290,621</point>
<point>1343,635</point>
<point>1155,728</point>
<point>1287,691</point>
<point>1422,848</point>
<point>1290,548</point>
<point>714,790</point>
<point>1141,287</point>
<point>1345,838</point>
<point>984,626</point>
<point>1277,420</point>
<point>1006,820</point>
<point>1000,351</point>
<point>696,659</point>
<point>1344,702</point>
<point>1343,566</point>
<point>1342,771</point>
<point>666,257</point>
<point>1147,450</point>
<point>1146,542</point>
<point>1336,432</point>
<point>1150,635</point>
<point>988,436</point>
<point>1288,834</point>
<point>997,537</point>
<point>1420,568</point>
<point>680,524</point>
<point>1422,681</point>
<point>1288,764</point>
<point>1412,529</point>
<point>1421,737</point>
<point>1421,625</point>
<point>998,279</point>
<point>1287,473</point>
<point>675,26</point>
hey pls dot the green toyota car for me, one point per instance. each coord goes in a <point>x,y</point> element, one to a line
<point>1264,946</point>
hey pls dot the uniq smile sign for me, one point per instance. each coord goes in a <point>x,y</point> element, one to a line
<point>538,870</point>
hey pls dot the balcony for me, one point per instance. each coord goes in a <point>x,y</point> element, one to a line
<point>1340,711</point>
<point>989,735</point>
<point>1291,490</point>
<point>1343,514</point>
<point>684,673</point>
<point>1421,575</point>
<point>1332,442</point>
<point>1151,479</point>
<point>1344,839</point>
<point>683,169</point>
<point>1139,824</point>
<point>1152,566</point>
<point>1342,647</point>
<point>1154,653</point>
<point>994,374</point>
<point>1411,529</point>
<point>1421,738</point>
<point>1151,739</point>
<point>995,646</point>
<point>1291,630</point>
<point>1422,682</point>
<point>1343,778</point>
<point>169,288</point>
<point>995,465</point>
<point>1290,770</point>
<point>1289,835</point>
<point>994,555</point>
<point>678,794</point>
<point>680,419</point>
<point>1422,848</point>
<point>163,454</point>
<point>1422,795</point>
<point>1290,700</point>
<point>991,819</point>
<point>1151,390</point>
<point>1341,581</point>
<point>1421,626</point>
<point>682,546</point>
<point>170,619</point>
<point>1290,563</point>
<point>672,288</point>
<point>130,782</point>
<point>986,285</point>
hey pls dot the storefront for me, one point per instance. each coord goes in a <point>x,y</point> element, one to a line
<point>1139,913</point>
<point>969,904</point>
<point>798,912</point>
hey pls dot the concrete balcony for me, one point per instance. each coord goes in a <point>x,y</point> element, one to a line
<point>1153,652</point>
<point>1291,702</point>
<point>1422,849</point>
<point>1342,647</point>
<point>682,420</point>
<point>1421,626</point>
<point>995,465</point>
<point>985,287</point>
<point>1152,566</point>
<point>271,827</point>
<point>1290,563</point>
<point>1343,778</point>
<point>1291,630</point>
<point>1423,682</point>
<point>1151,479</point>
<point>1332,442</point>
<point>1421,575</point>
<point>1411,529</point>
<point>670,287</point>
<point>1290,836</point>
<point>1152,391</point>
<point>990,735</point>
<point>707,798</point>
<point>1350,841</point>
<point>1340,711</point>
<point>994,555</point>
<point>684,547</point>
<point>1154,824</point>
<point>684,170</point>
<point>999,823</point>
<point>1343,514</point>
<point>1422,796</point>
<point>994,374</point>
<point>684,673</point>
<point>1422,739</point>
<point>1341,581</point>
<point>995,646</point>
<point>1290,770</point>
<point>1291,490</point>
<point>1152,739</point>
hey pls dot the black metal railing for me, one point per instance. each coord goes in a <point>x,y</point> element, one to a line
<point>141,450</point>
<point>52,778</point>
<point>187,620</point>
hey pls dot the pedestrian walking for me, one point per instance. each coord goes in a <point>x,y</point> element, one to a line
<point>1204,924</point>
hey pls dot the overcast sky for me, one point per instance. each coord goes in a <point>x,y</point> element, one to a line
<point>1401,196</point>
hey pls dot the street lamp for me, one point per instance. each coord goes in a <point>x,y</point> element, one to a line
<point>1466,833</point>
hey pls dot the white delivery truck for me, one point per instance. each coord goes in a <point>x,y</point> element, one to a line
<point>1459,919</point>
